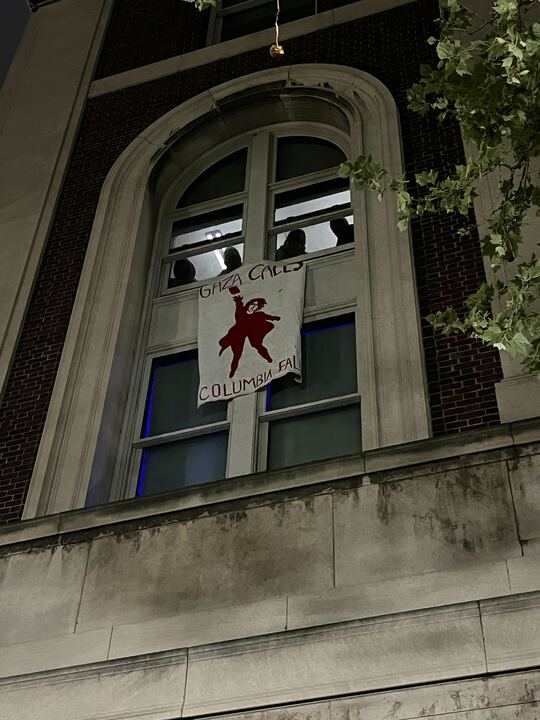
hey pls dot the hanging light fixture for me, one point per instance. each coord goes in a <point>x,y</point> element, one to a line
<point>276,50</point>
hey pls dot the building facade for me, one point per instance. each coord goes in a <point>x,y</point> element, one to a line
<point>363,545</point>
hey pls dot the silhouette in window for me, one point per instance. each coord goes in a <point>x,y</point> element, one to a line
<point>184,273</point>
<point>342,230</point>
<point>294,245</point>
<point>232,260</point>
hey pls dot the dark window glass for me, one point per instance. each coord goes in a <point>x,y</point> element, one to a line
<point>194,461</point>
<point>311,200</point>
<point>261,17</point>
<point>316,436</point>
<point>172,397</point>
<point>203,229</point>
<point>226,177</point>
<point>301,155</point>
<point>328,365</point>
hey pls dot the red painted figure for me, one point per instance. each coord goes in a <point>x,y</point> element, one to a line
<point>250,324</point>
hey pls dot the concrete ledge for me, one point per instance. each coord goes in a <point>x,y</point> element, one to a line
<point>180,63</point>
<point>512,632</point>
<point>355,657</point>
<point>400,461</point>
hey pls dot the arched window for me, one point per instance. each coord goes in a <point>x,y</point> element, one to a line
<point>309,208</point>
<point>132,329</point>
<point>274,194</point>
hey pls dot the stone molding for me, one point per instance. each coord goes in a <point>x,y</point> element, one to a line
<point>407,460</point>
<point>436,644</point>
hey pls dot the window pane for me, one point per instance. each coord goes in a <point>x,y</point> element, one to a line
<point>190,462</point>
<point>207,228</point>
<point>313,238</point>
<point>219,261</point>
<point>172,397</point>
<point>301,155</point>
<point>226,177</point>
<point>312,200</point>
<point>317,436</point>
<point>262,17</point>
<point>328,364</point>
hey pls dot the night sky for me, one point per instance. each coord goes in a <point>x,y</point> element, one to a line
<point>13,17</point>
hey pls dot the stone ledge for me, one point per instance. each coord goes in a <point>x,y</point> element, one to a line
<point>458,450</point>
<point>295,619</point>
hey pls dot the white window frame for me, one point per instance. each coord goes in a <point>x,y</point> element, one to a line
<point>246,422</point>
<point>80,437</point>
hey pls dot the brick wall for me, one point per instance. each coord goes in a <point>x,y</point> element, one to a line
<point>461,373</point>
<point>141,32</point>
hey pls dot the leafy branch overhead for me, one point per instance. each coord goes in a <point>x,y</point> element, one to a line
<point>202,4</point>
<point>487,77</point>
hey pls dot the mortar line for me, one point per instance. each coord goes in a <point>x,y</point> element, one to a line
<point>185,684</point>
<point>483,634</point>
<point>82,587</point>
<point>508,576</point>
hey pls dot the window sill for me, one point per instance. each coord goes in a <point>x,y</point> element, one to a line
<point>397,458</point>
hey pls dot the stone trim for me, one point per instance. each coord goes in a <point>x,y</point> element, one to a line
<point>386,464</point>
<point>105,320</point>
<point>227,653</point>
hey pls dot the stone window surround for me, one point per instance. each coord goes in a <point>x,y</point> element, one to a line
<point>81,431</point>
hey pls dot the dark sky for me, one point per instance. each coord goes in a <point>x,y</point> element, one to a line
<point>13,17</point>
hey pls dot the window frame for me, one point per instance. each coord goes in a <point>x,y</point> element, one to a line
<point>247,433</point>
<point>139,443</point>
<point>265,417</point>
<point>218,13</point>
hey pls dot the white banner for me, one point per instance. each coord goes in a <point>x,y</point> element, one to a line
<point>249,329</point>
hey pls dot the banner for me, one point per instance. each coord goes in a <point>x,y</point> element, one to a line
<point>249,329</point>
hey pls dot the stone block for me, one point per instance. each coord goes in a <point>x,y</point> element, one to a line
<point>151,689</point>
<point>524,574</point>
<point>53,653</point>
<point>200,628</point>
<point>424,524</point>
<point>212,561</point>
<point>525,479</point>
<point>512,632</point>
<point>40,592</point>
<point>400,595</point>
<point>357,657</point>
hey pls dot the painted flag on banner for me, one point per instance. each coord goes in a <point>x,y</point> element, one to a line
<point>249,329</point>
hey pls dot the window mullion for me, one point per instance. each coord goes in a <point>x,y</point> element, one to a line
<point>257,200</point>
<point>244,426</point>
